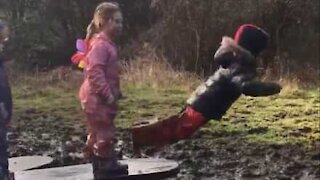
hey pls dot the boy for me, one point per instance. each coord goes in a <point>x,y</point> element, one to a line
<point>5,105</point>
<point>236,59</point>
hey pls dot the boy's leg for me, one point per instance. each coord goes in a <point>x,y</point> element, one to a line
<point>167,131</point>
<point>3,151</point>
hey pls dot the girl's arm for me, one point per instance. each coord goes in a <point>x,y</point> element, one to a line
<point>95,71</point>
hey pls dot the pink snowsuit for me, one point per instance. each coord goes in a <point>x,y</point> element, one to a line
<point>102,75</point>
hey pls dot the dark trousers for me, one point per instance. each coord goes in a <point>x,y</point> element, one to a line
<point>3,147</point>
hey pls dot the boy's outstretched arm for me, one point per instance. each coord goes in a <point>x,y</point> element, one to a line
<point>256,88</point>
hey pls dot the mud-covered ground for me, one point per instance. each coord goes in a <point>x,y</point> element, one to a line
<point>276,137</point>
<point>201,157</point>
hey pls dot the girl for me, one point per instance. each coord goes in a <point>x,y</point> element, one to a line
<point>100,91</point>
<point>5,105</point>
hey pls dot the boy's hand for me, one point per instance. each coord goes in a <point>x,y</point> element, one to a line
<point>256,88</point>
<point>120,96</point>
<point>110,100</point>
<point>3,112</point>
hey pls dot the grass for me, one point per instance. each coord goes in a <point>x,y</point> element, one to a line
<point>146,102</point>
<point>285,118</point>
<point>48,103</point>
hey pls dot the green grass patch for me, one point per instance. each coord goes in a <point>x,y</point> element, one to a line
<point>289,118</point>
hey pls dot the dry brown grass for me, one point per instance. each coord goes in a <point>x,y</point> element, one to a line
<point>147,71</point>
<point>289,86</point>
<point>62,76</point>
<point>154,71</point>
<point>306,78</point>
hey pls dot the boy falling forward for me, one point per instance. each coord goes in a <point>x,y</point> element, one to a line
<point>235,76</point>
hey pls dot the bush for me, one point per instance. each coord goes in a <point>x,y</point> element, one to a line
<point>189,31</point>
<point>186,32</point>
<point>45,31</point>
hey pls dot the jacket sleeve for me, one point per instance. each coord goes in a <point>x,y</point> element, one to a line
<point>255,88</point>
<point>5,98</point>
<point>98,59</point>
<point>224,56</point>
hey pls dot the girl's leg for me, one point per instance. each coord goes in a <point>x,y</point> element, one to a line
<point>104,159</point>
<point>91,139</point>
<point>100,138</point>
<point>105,137</point>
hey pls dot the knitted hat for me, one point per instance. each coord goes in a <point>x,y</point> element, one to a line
<point>252,38</point>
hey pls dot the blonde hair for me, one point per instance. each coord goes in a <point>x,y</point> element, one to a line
<point>102,14</point>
